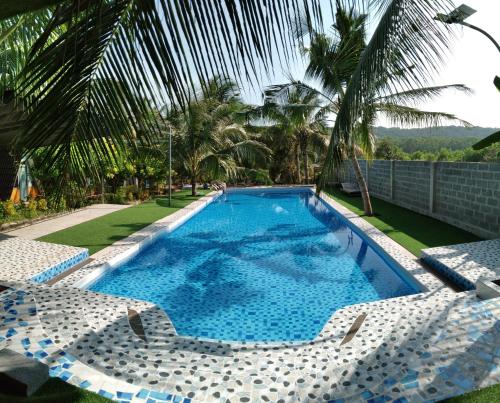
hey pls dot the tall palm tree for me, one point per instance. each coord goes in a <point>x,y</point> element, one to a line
<point>208,142</point>
<point>333,61</point>
<point>300,115</point>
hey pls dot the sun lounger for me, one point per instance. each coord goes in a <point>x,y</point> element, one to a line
<point>350,188</point>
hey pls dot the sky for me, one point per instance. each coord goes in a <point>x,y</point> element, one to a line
<point>473,61</point>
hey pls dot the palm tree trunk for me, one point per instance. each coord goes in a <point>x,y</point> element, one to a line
<point>367,204</point>
<point>193,185</point>
<point>305,158</point>
<point>297,165</point>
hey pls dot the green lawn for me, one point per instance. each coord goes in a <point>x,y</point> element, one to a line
<point>412,230</point>
<point>486,395</point>
<point>57,391</point>
<point>100,232</point>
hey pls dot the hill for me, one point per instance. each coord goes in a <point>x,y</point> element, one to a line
<point>442,131</point>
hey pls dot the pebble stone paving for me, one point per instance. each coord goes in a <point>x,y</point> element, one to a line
<point>417,348</point>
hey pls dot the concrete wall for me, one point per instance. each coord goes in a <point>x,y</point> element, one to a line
<point>464,194</point>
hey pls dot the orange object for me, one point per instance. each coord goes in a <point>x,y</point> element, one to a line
<point>15,195</point>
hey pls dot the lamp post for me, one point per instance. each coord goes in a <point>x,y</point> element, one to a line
<point>170,167</point>
<point>459,15</point>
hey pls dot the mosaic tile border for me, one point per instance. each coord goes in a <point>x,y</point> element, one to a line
<point>29,260</point>
<point>59,268</point>
<point>466,263</point>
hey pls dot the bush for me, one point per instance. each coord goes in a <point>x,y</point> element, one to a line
<point>116,198</point>
<point>42,205</point>
<point>260,177</point>
<point>31,209</point>
<point>9,209</point>
<point>144,195</point>
<point>132,192</point>
<point>56,203</point>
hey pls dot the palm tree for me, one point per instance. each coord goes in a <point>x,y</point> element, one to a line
<point>299,115</point>
<point>207,141</point>
<point>333,61</point>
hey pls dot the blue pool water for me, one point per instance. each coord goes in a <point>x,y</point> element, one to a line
<point>260,266</point>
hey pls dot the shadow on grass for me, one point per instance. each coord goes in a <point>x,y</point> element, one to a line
<point>57,391</point>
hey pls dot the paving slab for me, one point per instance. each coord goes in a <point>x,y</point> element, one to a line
<point>68,220</point>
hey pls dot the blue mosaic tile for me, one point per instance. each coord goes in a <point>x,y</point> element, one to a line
<point>59,268</point>
<point>105,394</point>
<point>85,384</point>
<point>159,395</point>
<point>65,375</point>
<point>124,395</point>
<point>142,394</point>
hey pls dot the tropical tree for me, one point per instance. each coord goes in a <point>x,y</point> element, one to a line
<point>208,142</point>
<point>299,118</point>
<point>333,62</point>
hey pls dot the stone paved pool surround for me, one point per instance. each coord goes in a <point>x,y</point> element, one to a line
<point>23,259</point>
<point>466,263</point>
<point>422,347</point>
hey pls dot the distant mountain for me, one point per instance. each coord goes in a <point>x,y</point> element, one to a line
<point>442,131</point>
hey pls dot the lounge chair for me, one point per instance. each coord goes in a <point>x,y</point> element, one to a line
<point>351,189</point>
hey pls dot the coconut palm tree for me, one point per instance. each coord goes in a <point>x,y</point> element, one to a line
<point>299,116</point>
<point>208,141</point>
<point>333,61</point>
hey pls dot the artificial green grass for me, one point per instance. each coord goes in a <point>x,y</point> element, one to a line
<point>411,230</point>
<point>56,391</point>
<point>487,395</point>
<point>101,232</point>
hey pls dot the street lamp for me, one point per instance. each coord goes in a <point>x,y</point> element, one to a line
<point>459,15</point>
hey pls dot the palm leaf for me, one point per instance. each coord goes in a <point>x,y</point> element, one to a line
<point>116,61</point>
<point>419,95</point>
<point>488,141</point>
<point>401,115</point>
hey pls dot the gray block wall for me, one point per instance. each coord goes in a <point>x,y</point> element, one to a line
<point>464,194</point>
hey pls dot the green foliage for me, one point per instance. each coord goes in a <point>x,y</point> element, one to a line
<point>259,177</point>
<point>9,209</point>
<point>42,204</point>
<point>31,208</point>
<point>431,149</point>
<point>387,150</point>
<point>208,140</point>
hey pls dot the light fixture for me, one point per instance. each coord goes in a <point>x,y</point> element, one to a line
<point>458,15</point>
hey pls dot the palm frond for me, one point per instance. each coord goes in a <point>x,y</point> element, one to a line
<point>406,39</point>
<point>419,95</point>
<point>117,60</point>
<point>400,115</point>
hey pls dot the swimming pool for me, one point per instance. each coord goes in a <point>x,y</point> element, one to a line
<point>258,265</point>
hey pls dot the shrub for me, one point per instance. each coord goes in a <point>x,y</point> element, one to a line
<point>260,177</point>
<point>131,190</point>
<point>9,209</point>
<point>144,195</point>
<point>31,207</point>
<point>42,205</point>
<point>56,203</point>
